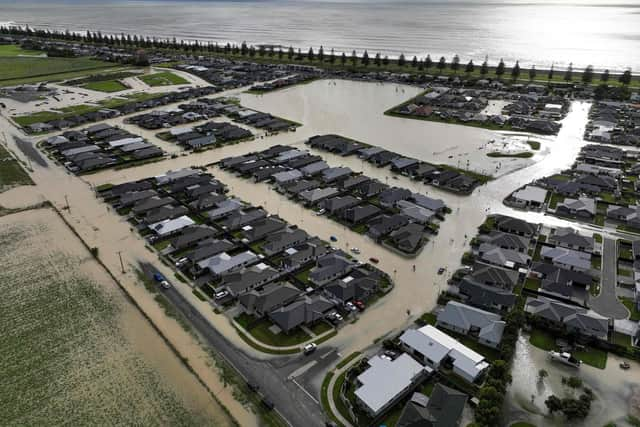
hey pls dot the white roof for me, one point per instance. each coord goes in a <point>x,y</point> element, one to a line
<point>223,262</point>
<point>385,379</point>
<point>169,226</point>
<point>80,150</point>
<point>180,131</point>
<point>125,141</point>
<point>531,193</point>
<point>436,345</point>
<point>176,174</point>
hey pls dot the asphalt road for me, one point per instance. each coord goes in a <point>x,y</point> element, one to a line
<point>607,303</point>
<point>297,404</point>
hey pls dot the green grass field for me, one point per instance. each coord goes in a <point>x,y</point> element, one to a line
<point>165,78</point>
<point>8,50</point>
<point>11,173</point>
<point>16,69</point>
<point>106,86</point>
<point>66,359</point>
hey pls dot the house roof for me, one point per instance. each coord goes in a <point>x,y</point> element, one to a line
<point>565,256</point>
<point>571,237</point>
<point>484,295</point>
<point>465,317</point>
<point>385,379</point>
<point>442,409</point>
<point>269,297</point>
<point>169,226</point>
<point>436,345</point>
<point>531,193</point>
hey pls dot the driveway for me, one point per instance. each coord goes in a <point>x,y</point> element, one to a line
<point>607,303</point>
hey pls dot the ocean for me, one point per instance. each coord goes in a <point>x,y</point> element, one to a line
<point>603,33</point>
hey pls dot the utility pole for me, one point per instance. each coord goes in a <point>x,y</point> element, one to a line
<point>121,264</point>
<point>67,201</point>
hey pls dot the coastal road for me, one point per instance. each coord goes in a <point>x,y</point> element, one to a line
<point>607,303</point>
<point>277,378</point>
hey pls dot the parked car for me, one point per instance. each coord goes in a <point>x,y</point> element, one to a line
<point>441,270</point>
<point>321,212</point>
<point>359,305</point>
<point>350,306</point>
<point>158,277</point>
<point>221,294</point>
<point>309,348</point>
<point>267,403</point>
<point>355,250</point>
<point>165,284</point>
<point>374,260</point>
<point>333,238</point>
<point>181,262</point>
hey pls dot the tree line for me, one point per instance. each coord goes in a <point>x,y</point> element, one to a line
<point>587,75</point>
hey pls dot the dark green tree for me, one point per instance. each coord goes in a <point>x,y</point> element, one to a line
<point>484,68</point>
<point>343,58</point>
<point>377,59</point>
<point>442,63</point>
<point>550,73</point>
<point>515,71</point>
<point>455,63</point>
<point>401,60</point>
<point>568,74</point>
<point>244,49</point>
<point>290,52</point>
<point>365,58</point>
<point>321,54</point>
<point>625,78</point>
<point>385,60</point>
<point>604,77</point>
<point>310,55</point>
<point>470,67</point>
<point>354,58</point>
<point>553,403</point>
<point>428,62</point>
<point>414,61</point>
<point>332,56</point>
<point>500,68</point>
<point>587,74</point>
<point>532,72</point>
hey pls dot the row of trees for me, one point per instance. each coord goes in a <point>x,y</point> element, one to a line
<point>134,41</point>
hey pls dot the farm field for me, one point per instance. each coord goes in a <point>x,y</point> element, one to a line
<point>165,78</point>
<point>16,69</point>
<point>75,351</point>
<point>11,173</point>
<point>15,50</point>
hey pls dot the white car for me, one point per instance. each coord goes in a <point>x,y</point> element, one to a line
<point>221,294</point>
<point>355,250</point>
<point>181,262</point>
<point>309,348</point>
<point>350,306</point>
<point>321,212</point>
<point>165,284</point>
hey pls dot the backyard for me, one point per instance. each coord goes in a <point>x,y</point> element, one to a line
<point>11,173</point>
<point>259,329</point>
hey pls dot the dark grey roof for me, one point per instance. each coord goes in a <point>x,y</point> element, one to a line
<point>485,296</point>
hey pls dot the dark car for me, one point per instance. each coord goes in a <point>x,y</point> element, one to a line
<point>267,404</point>
<point>441,270</point>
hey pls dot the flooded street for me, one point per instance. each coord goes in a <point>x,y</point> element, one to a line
<point>617,391</point>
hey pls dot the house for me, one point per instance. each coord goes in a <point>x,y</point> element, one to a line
<point>529,197</point>
<point>261,301</point>
<point>569,238</point>
<point>281,178</point>
<point>354,181</point>
<point>442,409</point>
<point>566,258</point>
<point>433,348</point>
<point>171,226</point>
<point>293,258</point>
<point>192,235</point>
<point>385,382</point>
<point>416,213</point>
<point>575,319</point>
<point>207,249</point>
<point>408,238</point>
<point>315,196</point>
<point>261,228</point>
<point>242,217</point>
<point>359,214</point>
<point>434,205</point>
<point>297,187</point>
<point>391,196</point>
<point>330,267</point>
<point>384,224</point>
<point>223,262</point>
<point>629,215</point>
<point>506,240</point>
<point>503,257</point>
<point>224,209</point>
<point>473,322</point>
<point>247,279</point>
<point>515,226</point>
<point>582,207</point>
<point>485,296</point>
<point>281,240</point>
<point>314,168</point>
<point>370,188</point>
<point>303,311</point>
<point>402,164</point>
<point>494,276</point>
<point>334,174</point>
<point>359,284</point>
<point>337,205</point>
